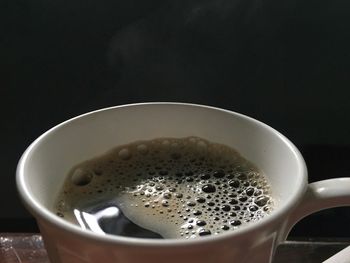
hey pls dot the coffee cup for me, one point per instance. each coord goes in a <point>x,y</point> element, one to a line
<point>44,166</point>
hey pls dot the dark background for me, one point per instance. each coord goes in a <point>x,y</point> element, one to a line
<point>284,62</point>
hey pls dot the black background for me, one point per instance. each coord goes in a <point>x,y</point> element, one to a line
<point>285,63</point>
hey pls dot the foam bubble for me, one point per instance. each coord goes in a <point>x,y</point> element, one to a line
<point>142,148</point>
<point>81,177</point>
<point>124,154</point>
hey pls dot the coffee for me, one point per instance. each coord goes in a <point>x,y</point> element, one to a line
<point>165,188</point>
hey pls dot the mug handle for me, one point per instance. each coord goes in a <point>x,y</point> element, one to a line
<point>320,195</point>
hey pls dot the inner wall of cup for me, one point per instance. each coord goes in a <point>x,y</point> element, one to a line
<point>83,138</point>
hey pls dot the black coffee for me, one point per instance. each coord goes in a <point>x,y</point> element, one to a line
<point>165,188</point>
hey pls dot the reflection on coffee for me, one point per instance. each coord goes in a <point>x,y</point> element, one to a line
<point>165,188</point>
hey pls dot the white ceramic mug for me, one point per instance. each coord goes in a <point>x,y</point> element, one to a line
<point>45,164</point>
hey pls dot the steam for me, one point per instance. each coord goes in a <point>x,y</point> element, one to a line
<point>178,46</point>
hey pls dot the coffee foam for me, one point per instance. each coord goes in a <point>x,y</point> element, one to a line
<point>179,188</point>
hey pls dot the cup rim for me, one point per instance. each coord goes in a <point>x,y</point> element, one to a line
<point>41,212</point>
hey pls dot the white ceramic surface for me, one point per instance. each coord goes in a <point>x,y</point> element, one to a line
<point>44,165</point>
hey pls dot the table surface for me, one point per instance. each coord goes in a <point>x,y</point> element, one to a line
<point>29,248</point>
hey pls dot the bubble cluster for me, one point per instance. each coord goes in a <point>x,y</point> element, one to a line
<point>179,188</point>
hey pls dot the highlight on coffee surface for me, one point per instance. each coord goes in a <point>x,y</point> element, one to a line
<point>165,188</point>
